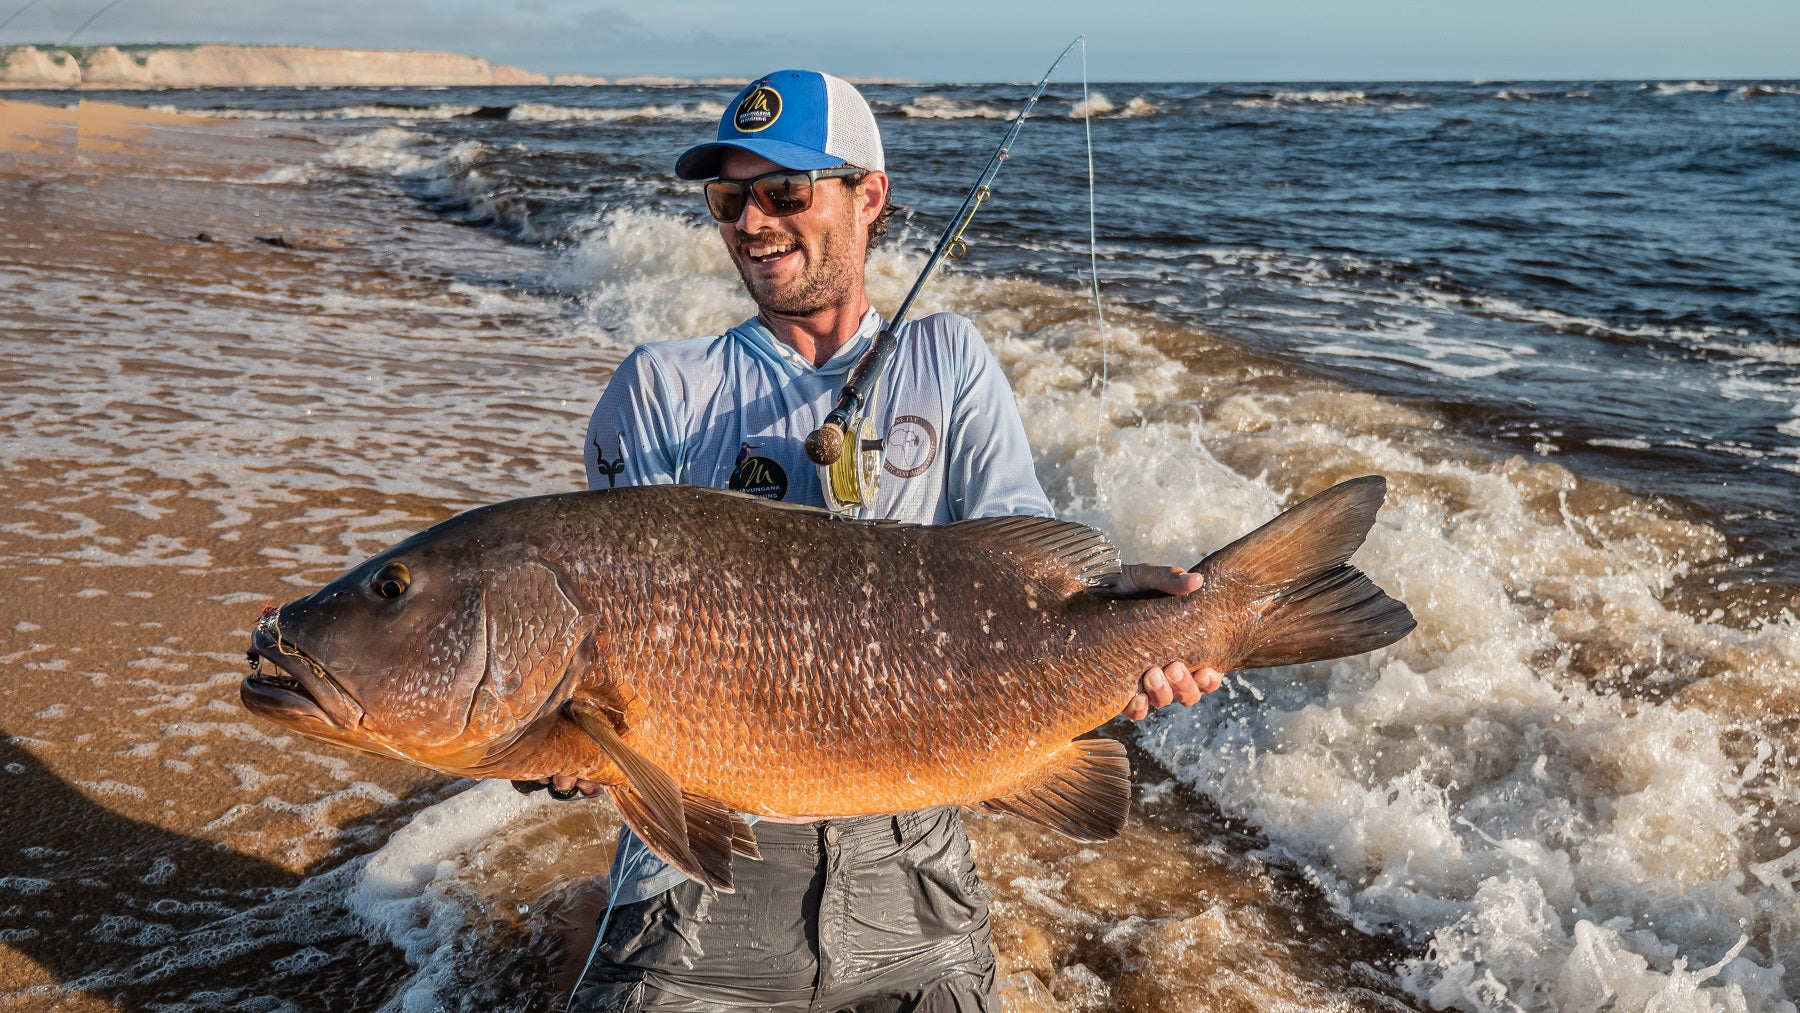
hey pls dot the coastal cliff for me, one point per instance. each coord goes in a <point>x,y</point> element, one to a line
<point>222,66</point>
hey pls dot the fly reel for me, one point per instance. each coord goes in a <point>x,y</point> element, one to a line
<point>851,481</point>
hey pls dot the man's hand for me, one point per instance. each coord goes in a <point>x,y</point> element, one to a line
<point>563,787</point>
<point>1162,685</point>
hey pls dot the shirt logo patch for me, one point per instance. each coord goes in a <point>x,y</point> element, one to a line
<point>758,111</point>
<point>758,476</point>
<point>911,446</point>
<point>611,469</point>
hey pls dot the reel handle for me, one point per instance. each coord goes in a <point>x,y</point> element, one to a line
<point>826,444</point>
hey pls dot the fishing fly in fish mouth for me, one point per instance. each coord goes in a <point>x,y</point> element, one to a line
<point>710,658</point>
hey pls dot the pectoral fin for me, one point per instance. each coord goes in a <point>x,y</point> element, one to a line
<point>1084,792</point>
<point>670,843</point>
<point>714,830</point>
<point>694,834</point>
<point>660,794</point>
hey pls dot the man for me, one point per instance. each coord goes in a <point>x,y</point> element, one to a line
<point>875,913</point>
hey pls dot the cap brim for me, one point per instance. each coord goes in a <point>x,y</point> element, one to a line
<point>702,160</point>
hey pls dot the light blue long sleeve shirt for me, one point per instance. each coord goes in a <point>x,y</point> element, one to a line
<point>734,411</point>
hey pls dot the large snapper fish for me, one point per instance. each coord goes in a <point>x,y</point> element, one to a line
<point>705,653</point>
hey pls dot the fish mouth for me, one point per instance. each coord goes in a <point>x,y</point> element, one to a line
<point>299,692</point>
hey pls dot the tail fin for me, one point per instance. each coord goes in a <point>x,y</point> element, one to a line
<point>1294,572</point>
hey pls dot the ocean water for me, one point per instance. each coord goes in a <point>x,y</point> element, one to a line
<point>1597,273</point>
<point>1562,318</point>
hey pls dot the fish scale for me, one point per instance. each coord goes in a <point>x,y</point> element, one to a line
<point>664,641</point>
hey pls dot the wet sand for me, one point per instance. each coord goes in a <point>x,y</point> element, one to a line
<point>128,759</point>
<point>131,587</point>
<point>176,328</point>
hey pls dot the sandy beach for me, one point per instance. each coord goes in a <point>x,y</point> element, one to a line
<point>220,390</point>
<point>131,585</point>
<point>128,594</point>
<point>242,354</point>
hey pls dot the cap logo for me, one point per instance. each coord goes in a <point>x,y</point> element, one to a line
<point>759,110</point>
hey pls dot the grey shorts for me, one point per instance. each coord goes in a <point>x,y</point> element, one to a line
<point>878,914</point>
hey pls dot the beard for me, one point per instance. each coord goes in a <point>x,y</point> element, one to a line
<point>830,278</point>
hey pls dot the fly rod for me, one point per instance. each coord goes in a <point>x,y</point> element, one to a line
<point>827,443</point>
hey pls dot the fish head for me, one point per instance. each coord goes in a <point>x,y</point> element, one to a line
<point>454,650</point>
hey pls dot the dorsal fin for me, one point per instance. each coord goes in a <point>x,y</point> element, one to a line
<point>1084,792</point>
<point>1063,553</point>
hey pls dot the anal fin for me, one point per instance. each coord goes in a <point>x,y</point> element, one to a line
<point>743,839</point>
<point>1084,792</point>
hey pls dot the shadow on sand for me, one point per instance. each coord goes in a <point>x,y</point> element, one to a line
<point>147,918</point>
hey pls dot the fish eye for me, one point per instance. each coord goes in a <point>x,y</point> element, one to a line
<point>392,580</point>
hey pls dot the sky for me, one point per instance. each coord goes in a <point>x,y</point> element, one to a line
<point>996,40</point>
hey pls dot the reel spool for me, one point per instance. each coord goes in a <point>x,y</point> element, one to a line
<point>851,481</point>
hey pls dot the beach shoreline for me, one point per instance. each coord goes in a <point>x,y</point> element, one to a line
<point>130,597</point>
<point>135,584</point>
<point>243,355</point>
<point>140,571</point>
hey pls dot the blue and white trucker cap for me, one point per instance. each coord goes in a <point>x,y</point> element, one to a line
<point>798,119</point>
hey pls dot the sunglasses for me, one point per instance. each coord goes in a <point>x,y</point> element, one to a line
<point>777,194</point>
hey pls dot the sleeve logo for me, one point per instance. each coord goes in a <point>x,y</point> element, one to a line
<point>611,469</point>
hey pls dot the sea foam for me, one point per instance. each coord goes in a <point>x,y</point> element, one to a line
<point>1540,834</point>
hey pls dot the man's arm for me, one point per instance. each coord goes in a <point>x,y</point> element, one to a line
<point>991,475</point>
<point>988,470</point>
<point>632,438</point>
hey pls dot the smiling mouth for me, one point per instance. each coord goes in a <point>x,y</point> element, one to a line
<point>763,253</point>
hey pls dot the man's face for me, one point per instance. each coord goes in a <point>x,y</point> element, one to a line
<point>802,264</point>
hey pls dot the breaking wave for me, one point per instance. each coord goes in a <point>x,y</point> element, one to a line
<point>371,111</point>
<point>1328,98</point>
<point>1681,87</point>
<point>941,107</point>
<point>1097,104</point>
<point>536,113</point>
<point>1554,791</point>
<point>522,112</point>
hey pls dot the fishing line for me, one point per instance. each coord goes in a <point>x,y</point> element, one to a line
<point>10,17</point>
<point>91,20</point>
<point>1087,112</point>
<point>626,869</point>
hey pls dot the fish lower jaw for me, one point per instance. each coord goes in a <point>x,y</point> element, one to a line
<point>297,692</point>
<point>283,700</point>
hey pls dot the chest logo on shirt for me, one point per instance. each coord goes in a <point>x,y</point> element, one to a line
<point>911,446</point>
<point>758,476</point>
